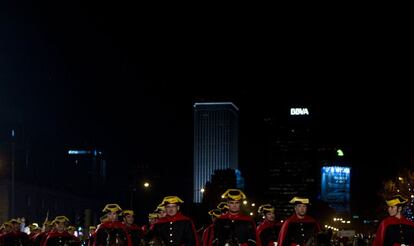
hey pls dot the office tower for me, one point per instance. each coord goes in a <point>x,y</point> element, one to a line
<point>216,129</point>
<point>292,168</point>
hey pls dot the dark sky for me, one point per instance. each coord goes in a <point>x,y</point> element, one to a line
<point>124,78</point>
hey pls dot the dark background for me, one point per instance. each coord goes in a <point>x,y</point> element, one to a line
<point>123,78</point>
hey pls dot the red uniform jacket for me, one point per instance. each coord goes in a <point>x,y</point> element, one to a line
<point>208,235</point>
<point>111,231</point>
<point>175,230</point>
<point>393,231</point>
<point>14,238</point>
<point>234,228</point>
<point>268,232</point>
<point>39,239</point>
<point>296,231</point>
<point>61,238</point>
<point>135,233</point>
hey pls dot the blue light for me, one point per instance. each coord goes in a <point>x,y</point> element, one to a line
<point>215,103</point>
<point>336,169</point>
<point>335,187</point>
<point>78,152</point>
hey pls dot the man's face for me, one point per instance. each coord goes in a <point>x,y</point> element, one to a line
<point>15,226</point>
<point>393,210</point>
<point>162,214</point>
<point>8,228</point>
<point>112,216</point>
<point>60,226</point>
<point>270,216</point>
<point>171,209</point>
<point>301,209</point>
<point>234,206</point>
<point>129,219</point>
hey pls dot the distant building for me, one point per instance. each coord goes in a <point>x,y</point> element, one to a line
<point>299,162</point>
<point>88,166</point>
<point>292,168</point>
<point>216,141</point>
<point>34,188</point>
<point>34,203</point>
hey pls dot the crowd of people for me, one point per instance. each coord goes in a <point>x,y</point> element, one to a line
<point>229,226</point>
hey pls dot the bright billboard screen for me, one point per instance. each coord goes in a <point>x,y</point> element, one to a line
<point>336,185</point>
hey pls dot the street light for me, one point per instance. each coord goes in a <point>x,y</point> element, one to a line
<point>136,188</point>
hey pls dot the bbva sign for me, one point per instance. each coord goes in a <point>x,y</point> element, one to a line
<point>299,111</point>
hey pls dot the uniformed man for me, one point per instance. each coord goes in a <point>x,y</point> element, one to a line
<point>34,230</point>
<point>92,230</point>
<point>5,228</point>
<point>112,231</point>
<point>152,219</point>
<point>135,232</point>
<point>160,210</point>
<point>268,230</point>
<point>14,236</point>
<point>208,233</point>
<point>234,228</point>
<point>91,236</point>
<point>395,229</point>
<point>59,235</point>
<point>71,230</point>
<point>39,239</point>
<point>300,228</point>
<point>174,228</point>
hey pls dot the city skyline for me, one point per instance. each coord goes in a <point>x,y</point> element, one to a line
<point>357,151</point>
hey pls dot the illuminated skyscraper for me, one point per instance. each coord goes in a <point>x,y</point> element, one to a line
<point>216,131</point>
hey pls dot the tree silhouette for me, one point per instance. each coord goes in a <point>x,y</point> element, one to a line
<point>221,180</point>
<point>402,184</point>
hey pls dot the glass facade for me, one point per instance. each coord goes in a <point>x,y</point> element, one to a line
<point>216,126</point>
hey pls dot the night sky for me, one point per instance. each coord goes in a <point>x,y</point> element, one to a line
<point>120,78</point>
